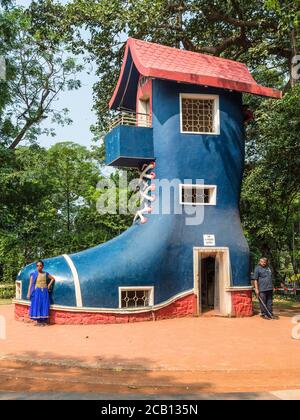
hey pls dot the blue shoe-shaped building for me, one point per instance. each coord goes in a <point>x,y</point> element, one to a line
<point>180,123</point>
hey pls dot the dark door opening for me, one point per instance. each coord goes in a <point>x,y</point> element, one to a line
<point>208,274</point>
<point>212,280</point>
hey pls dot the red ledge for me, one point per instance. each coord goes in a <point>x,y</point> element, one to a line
<point>242,304</point>
<point>183,307</point>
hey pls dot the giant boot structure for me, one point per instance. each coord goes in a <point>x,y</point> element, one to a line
<point>186,252</point>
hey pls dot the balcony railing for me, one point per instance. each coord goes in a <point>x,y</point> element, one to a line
<point>135,119</point>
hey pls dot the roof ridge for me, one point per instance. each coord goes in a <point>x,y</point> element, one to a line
<point>215,57</point>
<point>168,63</point>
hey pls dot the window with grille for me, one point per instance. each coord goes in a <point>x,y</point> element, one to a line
<point>138,297</point>
<point>200,114</point>
<point>198,194</point>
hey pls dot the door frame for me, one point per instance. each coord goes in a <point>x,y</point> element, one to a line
<point>225,281</point>
<point>143,111</point>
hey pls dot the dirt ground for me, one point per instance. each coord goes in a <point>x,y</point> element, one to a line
<point>175,356</point>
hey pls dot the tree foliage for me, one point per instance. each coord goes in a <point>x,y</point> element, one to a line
<point>38,70</point>
<point>48,204</point>
<point>271,192</point>
<point>261,33</point>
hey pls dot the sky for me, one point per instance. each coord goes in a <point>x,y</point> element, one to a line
<point>79,103</point>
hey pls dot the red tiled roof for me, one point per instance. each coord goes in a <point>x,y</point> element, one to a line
<point>159,61</point>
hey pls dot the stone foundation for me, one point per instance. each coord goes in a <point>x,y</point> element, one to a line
<point>242,305</point>
<point>183,307</point>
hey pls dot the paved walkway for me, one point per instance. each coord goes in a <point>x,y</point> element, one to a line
<point>206,354</point>
<point>55,396</point>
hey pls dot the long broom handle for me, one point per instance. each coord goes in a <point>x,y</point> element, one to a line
<point>263,303</point>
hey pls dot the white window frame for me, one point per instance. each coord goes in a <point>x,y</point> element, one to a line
<point>213,201</point>
<point>133,288</point>
<point>217,124</point>
<point>18,290</point>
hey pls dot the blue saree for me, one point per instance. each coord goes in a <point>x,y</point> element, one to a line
<point>39,297</point>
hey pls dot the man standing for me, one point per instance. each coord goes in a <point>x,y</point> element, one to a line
<point>263,283</point>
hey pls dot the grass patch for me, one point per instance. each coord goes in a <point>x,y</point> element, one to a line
<point>5,301</point>
<point>282,304</point>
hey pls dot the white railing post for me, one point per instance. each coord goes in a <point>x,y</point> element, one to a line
<point>132,119</point>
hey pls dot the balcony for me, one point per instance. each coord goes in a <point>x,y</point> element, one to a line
<point>132,119</point>
<point>130,140</point>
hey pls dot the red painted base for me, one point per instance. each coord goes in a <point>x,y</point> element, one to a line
<point>182,307</point>
<point>242,305</point>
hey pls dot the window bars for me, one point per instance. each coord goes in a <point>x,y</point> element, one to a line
<point>194,195</point>
<point>198,194</point>
<point>198,115</point>
<point>135,298</point>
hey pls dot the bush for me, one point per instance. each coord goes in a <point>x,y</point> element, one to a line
<point>287,297</point>
<point>7,291</point>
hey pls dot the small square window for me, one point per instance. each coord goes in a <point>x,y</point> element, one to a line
<point>200,114</point>
<point>136,297</point>
<point>198,194</point>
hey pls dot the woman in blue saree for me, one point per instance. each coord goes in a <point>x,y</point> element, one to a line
<point>38,293</point>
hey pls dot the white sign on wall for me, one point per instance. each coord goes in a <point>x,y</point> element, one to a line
<point>209,240</point>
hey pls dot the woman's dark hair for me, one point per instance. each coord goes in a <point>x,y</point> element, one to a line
<point>40,262</point>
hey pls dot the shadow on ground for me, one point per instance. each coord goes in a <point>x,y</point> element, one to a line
<point>115,376</point>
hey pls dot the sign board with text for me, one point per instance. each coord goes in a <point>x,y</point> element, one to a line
<point>209,240</point>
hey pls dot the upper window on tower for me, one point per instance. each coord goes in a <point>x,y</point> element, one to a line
<point>200,114</point>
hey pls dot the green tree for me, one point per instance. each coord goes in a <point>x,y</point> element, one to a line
<point>261,33</point>
<point>49,204</point>
<point>25,207</point>
<point>271,192</point>
<point>37,72</point>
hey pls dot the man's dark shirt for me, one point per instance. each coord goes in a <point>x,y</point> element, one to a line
<point>264,277</point>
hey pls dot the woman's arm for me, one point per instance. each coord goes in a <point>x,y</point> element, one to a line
<point>29,288</point>
<point>52,280</point>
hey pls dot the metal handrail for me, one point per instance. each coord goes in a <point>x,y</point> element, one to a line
<point>136,119</point>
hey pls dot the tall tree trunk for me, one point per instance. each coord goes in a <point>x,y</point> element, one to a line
<point>294,34</point>
<point>21,134</point>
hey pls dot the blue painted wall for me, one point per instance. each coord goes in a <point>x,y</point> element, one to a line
<point>129,145</point>
<point>160,253</point>
<point>64,291</point>
<point>218,160</point>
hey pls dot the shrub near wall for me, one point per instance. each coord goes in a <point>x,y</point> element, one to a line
<point>7,291</point>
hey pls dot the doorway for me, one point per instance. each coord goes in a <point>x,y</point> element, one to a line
<point>207,287</point>
<point>144,112</point>
<point>212,280</point>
